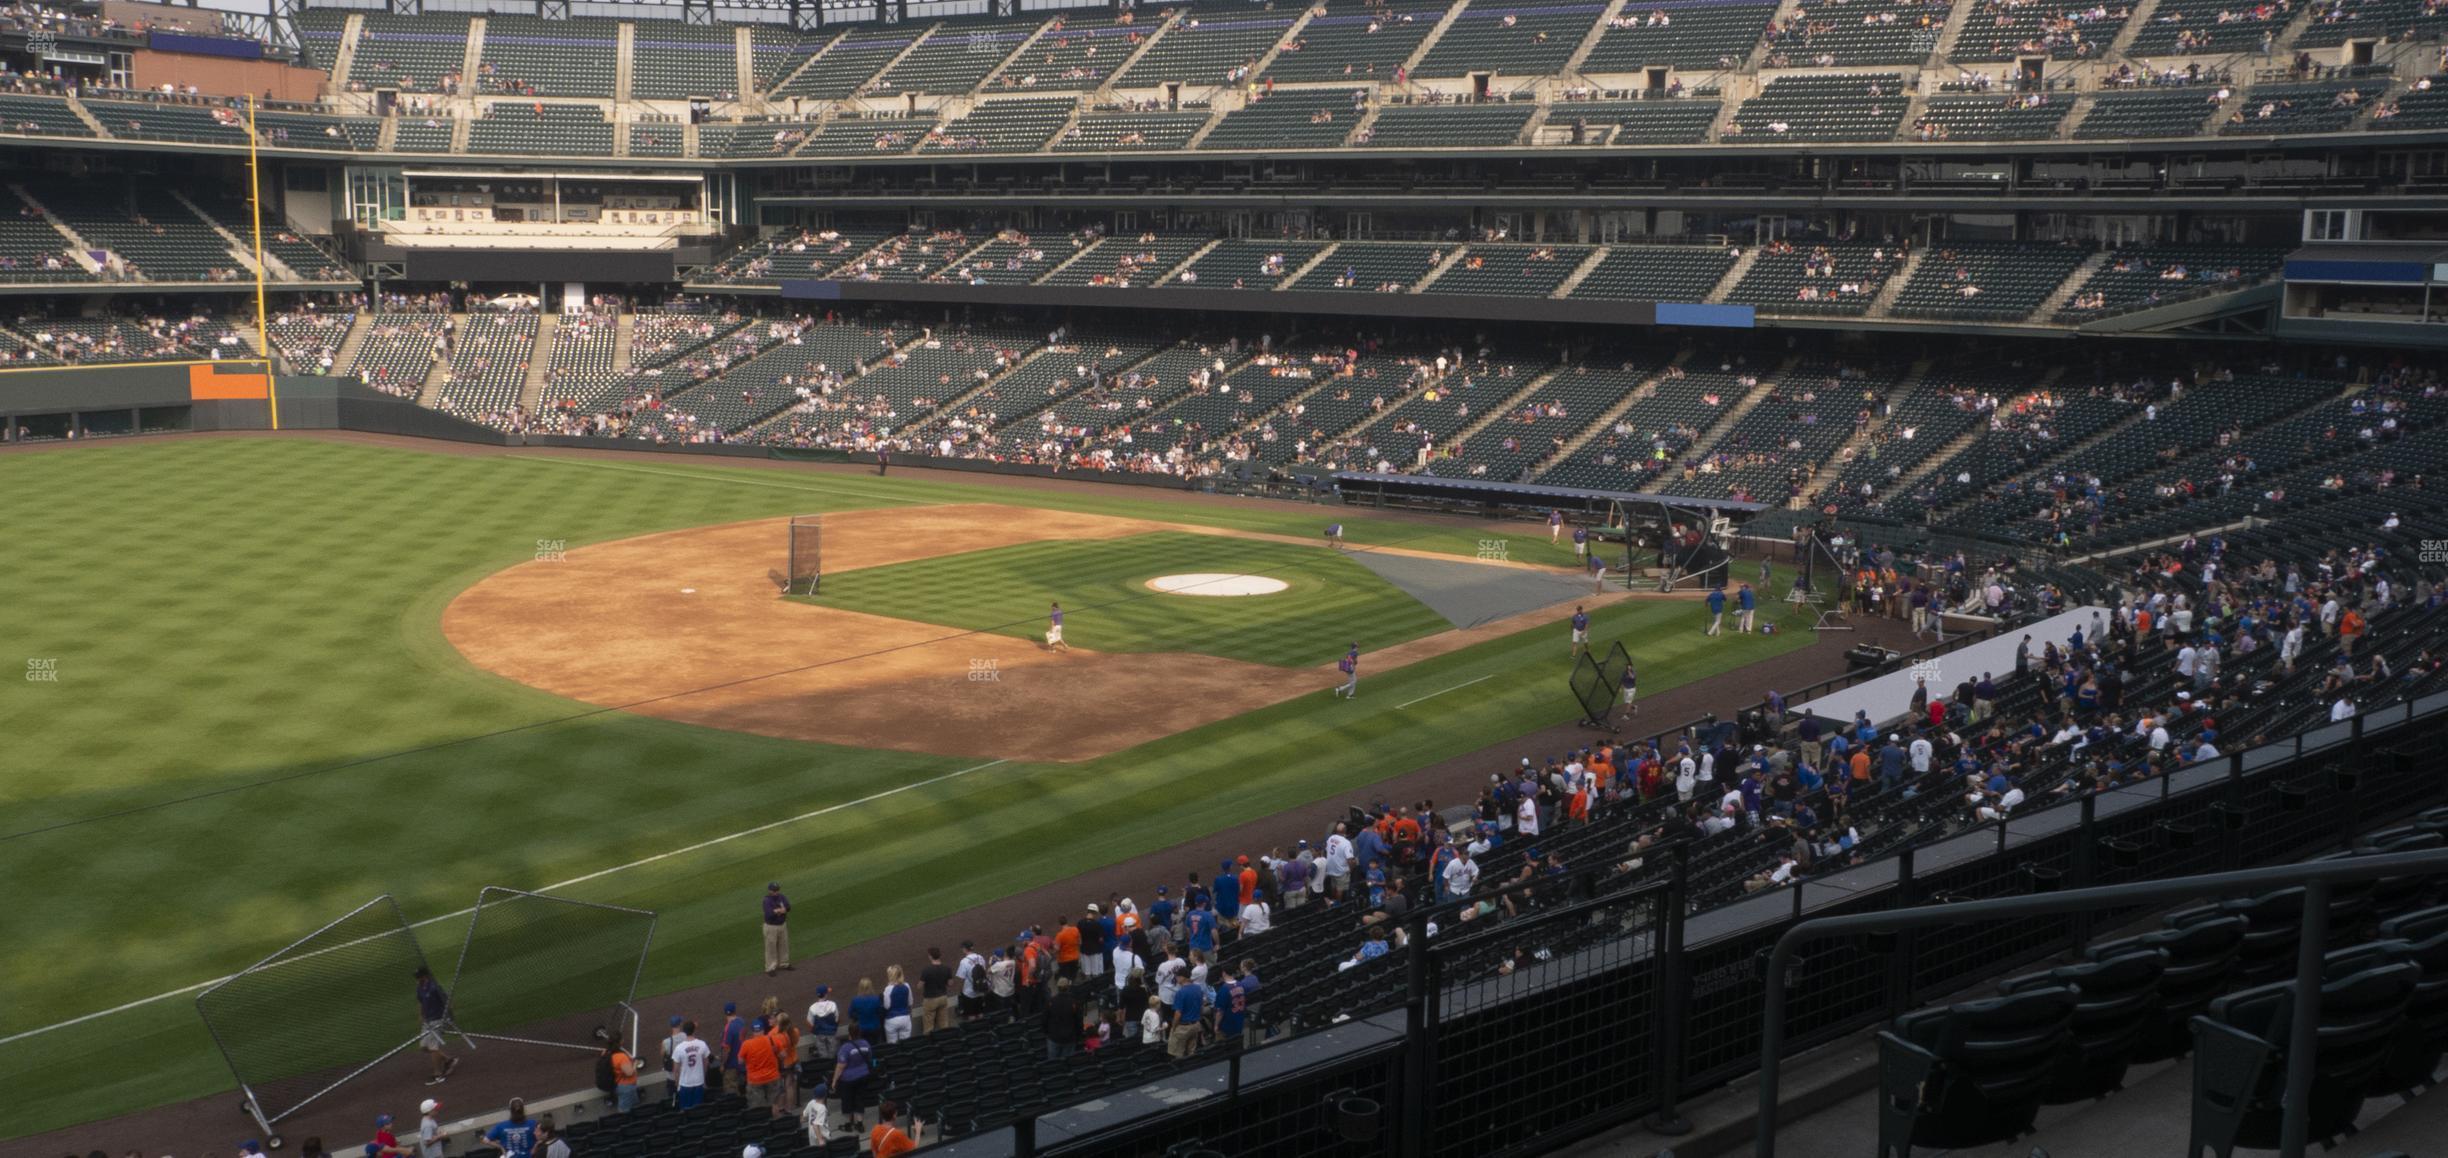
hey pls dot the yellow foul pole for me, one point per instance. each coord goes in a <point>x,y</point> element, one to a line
<point>263,329</point>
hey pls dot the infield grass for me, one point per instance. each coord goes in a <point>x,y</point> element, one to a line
<point>1108,607</point>
<point>257,726</point>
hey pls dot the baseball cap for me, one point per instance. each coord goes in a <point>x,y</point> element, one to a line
<point>1093,908</point>
<point>752,1150</point>
<point>382,1119</point>
<point>428,1106</point>
<point>1244,858</point>
<point>1164,890</point>
<point>676,1020</point>
<point>730,1007</point>
<point>1304,844</point>
<point>773,886</point>
<point>821,990</point>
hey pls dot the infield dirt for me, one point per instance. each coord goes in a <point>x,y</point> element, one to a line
<point>687,626</point>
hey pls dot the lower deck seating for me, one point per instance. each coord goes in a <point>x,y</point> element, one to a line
<point>868,136</point>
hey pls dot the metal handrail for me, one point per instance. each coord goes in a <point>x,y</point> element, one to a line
<point>2316,879</point>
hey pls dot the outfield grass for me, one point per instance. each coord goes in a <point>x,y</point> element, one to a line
<point>1108,607</point>
<point>258,726</point>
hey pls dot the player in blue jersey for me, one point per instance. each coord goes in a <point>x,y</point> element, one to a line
<point>1580,630</point>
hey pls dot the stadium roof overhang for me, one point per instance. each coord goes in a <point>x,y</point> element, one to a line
<point>1531,494</point>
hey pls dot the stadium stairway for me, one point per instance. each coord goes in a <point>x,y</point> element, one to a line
<point>1314,261</point>
<point>1951,33</point>
<point>1742,265</point>
<point>1290,34</point>
<point>986,83</point>
<point>1759,50</point>
<point>1513,402</point>
<point>1076,255</point>
<point>1834,464</point>
<point>438,375</point>
<point>1419,52</point>
<point>624,68</point>
<point>1648,386</point>
<point>1921,468</point>
<point>1174,270</point>
<point>345,354</point>
<point>2143,14</point>
<point>2065,291</point>
<point>539,362</point>
<point>1572,281</point>
<point>2047,465</point>
<point>79,248</point>
<point>782,82</point>
<point>1706,444</point>
<point>743,69</point>
<point>1902,277</point>
<point>86,115</point>
<point>1451,260</point>
<point>471,66</point>
<point>1104,92</point>
<point>344,58</point>
<point>272,268</point>
<point>624,331</point>
<point>1571,68</point>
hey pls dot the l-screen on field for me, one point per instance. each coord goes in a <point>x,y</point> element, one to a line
<point>334,672</point>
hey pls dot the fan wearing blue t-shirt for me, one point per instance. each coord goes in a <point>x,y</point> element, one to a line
<point>1189,1008</point>
<point>516,1137</point>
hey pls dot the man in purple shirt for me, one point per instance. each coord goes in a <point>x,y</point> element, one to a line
<point>433,1009</point>
<point>1349,665</point>
<point>1054,639</point>
<point>777,929</point>
<point>1580,631</point>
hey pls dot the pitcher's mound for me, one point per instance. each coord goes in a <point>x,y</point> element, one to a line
<point>1216,583</point>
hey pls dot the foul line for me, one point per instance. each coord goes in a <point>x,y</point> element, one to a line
<point>578,880</point>
<point>1425,698</point>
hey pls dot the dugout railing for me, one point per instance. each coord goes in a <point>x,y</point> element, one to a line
<point>1605,1030</point>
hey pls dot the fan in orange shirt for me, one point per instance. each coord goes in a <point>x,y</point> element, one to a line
<point>887,1140</point>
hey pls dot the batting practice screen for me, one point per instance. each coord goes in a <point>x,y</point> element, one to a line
<point>1597,679</point>
<point>548,971</point>
<point>806,566</point>
<point>303,1020</point>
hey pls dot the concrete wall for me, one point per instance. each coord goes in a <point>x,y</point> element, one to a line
<point>221,76</point>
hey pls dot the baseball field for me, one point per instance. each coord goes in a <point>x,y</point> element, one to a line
<point>268,679</point>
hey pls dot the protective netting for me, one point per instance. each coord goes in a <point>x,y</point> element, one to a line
<point>539,968</point>
<point>806,568</point>
<point>1597,679</point>
<point>336,1001</point>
